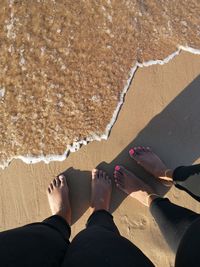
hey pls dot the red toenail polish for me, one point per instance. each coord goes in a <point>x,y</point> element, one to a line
<point>131,152</point>
<point>117,168</point>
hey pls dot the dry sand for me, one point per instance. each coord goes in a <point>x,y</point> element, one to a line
<point>161,109</point>
<point>64,64</point>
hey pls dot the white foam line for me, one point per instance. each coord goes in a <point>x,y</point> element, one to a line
<point>77,144</point>
<point>190,49</point>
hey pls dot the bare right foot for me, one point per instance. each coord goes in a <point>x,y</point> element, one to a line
<point>101,191</point>
<point>145,157</point>
<point>58,196</point>
<point>129,183</point>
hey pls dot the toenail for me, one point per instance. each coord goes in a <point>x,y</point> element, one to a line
<point>117,168</point>
<point>131,152</point>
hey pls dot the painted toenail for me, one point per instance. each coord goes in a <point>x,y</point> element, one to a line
<point>117,168</point>
<point>131,152</point>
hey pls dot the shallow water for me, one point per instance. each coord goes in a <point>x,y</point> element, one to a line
<point>64,65</point>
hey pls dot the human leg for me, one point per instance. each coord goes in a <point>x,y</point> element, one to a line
<point>172,219</point>
<point>39,244</point>
<point>101,244</point>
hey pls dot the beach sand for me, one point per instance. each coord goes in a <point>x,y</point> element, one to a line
<point>65,64</point>
<point>161,110</point>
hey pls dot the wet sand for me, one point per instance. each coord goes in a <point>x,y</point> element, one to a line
<point>161,110</point>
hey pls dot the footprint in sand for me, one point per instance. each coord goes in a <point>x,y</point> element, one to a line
<point>140,223</point>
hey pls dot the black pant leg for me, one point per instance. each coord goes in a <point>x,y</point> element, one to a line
<point>187,178</point>
<point>38,244</point>
<point>182,173</point>
<point>58,223</point>
<point>104,219</point>
<point>101,244</point>
<point>188,250</point>
<point>172,219</point>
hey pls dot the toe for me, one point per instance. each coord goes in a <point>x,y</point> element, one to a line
<point>120,186</point>
<point>119,181</point>
<point>49,190</point>
<point>62,179</point>
<point>140,150</point>
<point>57,182</point>
<point>54,182</point>
<point>119,176</point>
<point>117,173</point>
<point>132,152</point>
<point>100,174</point>
<point>108,179</point>
<point>146,149</point>
<point>124,171</point>
<point>51,186</point>
<point>95,173</point>
<point>135,152</point>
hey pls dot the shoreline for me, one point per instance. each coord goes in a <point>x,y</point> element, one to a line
<point>76,145</point>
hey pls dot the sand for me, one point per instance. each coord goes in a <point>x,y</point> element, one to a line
<point>64,65</point>
<point>161,110</point>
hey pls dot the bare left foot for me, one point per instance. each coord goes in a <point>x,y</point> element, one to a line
<point>58,196</point>
<point>133,186</point>
<point>101,191</point>
<point>152,164</point>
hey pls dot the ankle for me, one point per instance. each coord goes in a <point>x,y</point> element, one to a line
<point>66,215</point>
<point>167,174</point>
<point>151,198</point>
<point>96,208</point>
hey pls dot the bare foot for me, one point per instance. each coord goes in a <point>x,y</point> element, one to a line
<point>151,163</point>
<point>133,186</point>
<point>58,196</point>
<point>101,190</point>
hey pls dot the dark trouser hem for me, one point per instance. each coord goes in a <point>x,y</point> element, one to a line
<point>181,173</point>
<point>103,219</point>
<point>180,176</point>
<point>37,244</point>
<point>59,224</point>
<point>101,245</point>
<point>172,219</point>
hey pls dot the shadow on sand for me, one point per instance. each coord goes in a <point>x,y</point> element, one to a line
<point>174,134</point>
